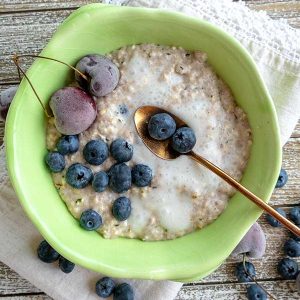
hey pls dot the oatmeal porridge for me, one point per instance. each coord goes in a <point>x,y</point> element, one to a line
<point>183,196</point>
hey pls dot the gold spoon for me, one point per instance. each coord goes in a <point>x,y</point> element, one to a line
<point>163,150</point>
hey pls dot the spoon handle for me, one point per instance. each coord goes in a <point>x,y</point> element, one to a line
<point>259,202</point>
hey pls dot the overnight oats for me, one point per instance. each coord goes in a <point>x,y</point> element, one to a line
<point>179,196</point>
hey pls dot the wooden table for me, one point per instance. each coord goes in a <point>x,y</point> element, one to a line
<point>27,27</point>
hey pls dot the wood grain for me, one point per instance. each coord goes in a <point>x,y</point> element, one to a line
<point>26,26</point>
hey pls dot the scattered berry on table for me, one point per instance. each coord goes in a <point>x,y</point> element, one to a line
<point>55,161</point>
<point>119,178</point>
<point>253,243</point>
<point>79,176</point>
<point>123,292</point>
<point>287,268</point>
<point>161,126</point>
<point>105,287</point>
<point>46,253</point>
<point>183,140</point>
<point>65,265</point>
<point>282,178</point>
<point>240,273</point>
<point>255,292</point>
<point>272,221</point>
<point>74,110</point>
<point>292,248</point>
<point>141,175</point>
<point>90,220</point>
<point>95,152</point>
<point>121,150</point>
<point>100,181</point>
<point>121,208</point>
<point>103,74</point>
<point>6,98</point>
<point>68,144</point>
<point>295,215</point>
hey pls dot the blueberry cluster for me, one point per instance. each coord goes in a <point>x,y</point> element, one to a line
<point>48,255</point>
<point>106,286</point>
<point>287,267</point>
<point>119,177</point>
<point>162,126</point>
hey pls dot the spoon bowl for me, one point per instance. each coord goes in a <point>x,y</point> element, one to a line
<point>164,150</point>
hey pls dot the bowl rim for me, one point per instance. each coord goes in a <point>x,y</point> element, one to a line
<point>9,129</point>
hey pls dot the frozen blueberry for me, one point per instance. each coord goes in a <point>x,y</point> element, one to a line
<point>255,292</point>
<point>119,178</point>
<point>291,248</point>
<point>95,152</point>
<point>105,287</point>
<point>183,140</point>
<point>121,208</point>
<point>240,273</point>
<point>282,179</point>
<point>121,150</point>
<point>65,265</point>
<point>79,176</point>
<point>287,268</point>
<point>68,144</point>
<point>100,181</point>
<point>55,161</point>
<point>46,253</point>
<point>272,221</point>
<point>6,98</point>
<point>141,175</point>
<point>161,126</point>
<point>90,220</point>
<point>103,74</point>
<point>123,292</point>
<point>295,215</point>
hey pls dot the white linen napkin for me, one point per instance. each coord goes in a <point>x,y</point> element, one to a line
<point>276,49</point>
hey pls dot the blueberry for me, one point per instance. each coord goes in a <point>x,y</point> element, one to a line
<point>287,268</point>
<point>255,292</point>
<point>119,178</point>
<point>65,265</point>
<point>79,176</point>
<point>100,181</point>
<point>123,292</point>
<point>55,161</point>
<point>121,150</point>
<point>282,179</point>
<point>105,287</point>
<point>272,221</point>
<point>141,175</point>
<point>295,215</point>
<point>46,253</point>
<point>161,126</point>
<point>68,144</point>
<point>121,208</point>
<point>291,248</point>
<point>183,140</point>
<point>90,220</point>
<point>240,273</point>
<point>95,152</point>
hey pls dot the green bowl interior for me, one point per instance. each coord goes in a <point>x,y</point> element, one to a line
<point>100,29</point>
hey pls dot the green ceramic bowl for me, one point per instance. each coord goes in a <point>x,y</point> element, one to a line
<point>100,29</point>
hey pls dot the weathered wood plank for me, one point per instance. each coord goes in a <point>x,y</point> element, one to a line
<point>282,290</point>
<point>12,283</point>
<point>27,297</point>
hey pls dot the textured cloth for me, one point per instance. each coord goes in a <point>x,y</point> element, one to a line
<point>276,49</point>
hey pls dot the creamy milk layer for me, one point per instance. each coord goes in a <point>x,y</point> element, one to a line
<point>183,195</point>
